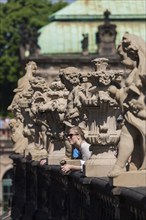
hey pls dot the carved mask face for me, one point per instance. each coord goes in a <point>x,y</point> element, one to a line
<point>72,77</point>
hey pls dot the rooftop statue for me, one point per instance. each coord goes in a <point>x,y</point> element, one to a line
<point>85,43</point>
<point>106,36</point>
<point>132,98</point>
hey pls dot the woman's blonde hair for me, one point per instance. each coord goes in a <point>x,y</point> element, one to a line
<point>77,130</point>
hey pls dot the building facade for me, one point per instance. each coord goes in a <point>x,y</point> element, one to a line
<point>5,169</point>
<point>85,30</point>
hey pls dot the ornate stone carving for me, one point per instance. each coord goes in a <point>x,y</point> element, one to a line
<point>132,98</point>
<point>54,107</point>
<point>23,86</point>
<point>40,104</point>
<point>70,76</point>
<point>25,130</point>
<point>90,94</point>
<point>45,108</point>
<point>19,141</point>
<point>90,107</point>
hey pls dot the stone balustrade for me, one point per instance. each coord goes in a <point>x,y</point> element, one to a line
<point>44,193</point>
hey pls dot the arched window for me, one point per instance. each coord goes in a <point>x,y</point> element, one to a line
<point>7,189</point>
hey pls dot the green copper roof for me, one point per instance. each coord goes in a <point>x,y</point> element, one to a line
<point>64,33</point>
<point>83,9</point>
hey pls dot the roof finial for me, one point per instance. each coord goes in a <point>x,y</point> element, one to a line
<point>106,16</point>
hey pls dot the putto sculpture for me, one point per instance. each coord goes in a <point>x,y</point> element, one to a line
<point>46,108</point>
<point>132,99</point>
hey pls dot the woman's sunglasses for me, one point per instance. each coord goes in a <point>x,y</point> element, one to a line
<point>71,135</point>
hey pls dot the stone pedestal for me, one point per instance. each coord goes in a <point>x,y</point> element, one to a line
<point>73,162</point>
<point>36,153</point>
<point>55,157</point>
<point>130,179</point>
<point>99,165</point>
<point>94,168</point>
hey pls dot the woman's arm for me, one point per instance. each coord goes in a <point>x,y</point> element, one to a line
<point>68,167</point>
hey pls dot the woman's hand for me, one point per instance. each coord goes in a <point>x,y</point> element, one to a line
<point>43,162</point>
<point>66,168</point>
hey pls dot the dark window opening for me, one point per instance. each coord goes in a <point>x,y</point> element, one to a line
<point>7,189</point>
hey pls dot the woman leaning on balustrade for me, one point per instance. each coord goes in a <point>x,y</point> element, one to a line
<point>77,140</point>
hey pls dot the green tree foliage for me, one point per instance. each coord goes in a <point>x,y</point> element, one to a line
<point>34,14</point>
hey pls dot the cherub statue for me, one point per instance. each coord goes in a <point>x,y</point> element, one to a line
<point>132,98</point>
<point>70,77</point>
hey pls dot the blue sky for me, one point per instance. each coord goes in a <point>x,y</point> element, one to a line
<point>3,1</point>
<point>69,1</point>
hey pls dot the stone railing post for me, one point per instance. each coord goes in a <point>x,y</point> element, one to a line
<point>19,186</point>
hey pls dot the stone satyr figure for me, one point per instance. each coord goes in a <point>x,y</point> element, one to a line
<point>132,98</point>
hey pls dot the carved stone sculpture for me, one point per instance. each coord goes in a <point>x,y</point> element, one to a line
<point>70,76</point>
<point>54,107</point>
<point>89,90</point>
<point>90,107</point>
<point>19,141</point>
<point>132,98</point>
<point>46,106</point>
<point>25,130</point>
<point>23,84</point>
